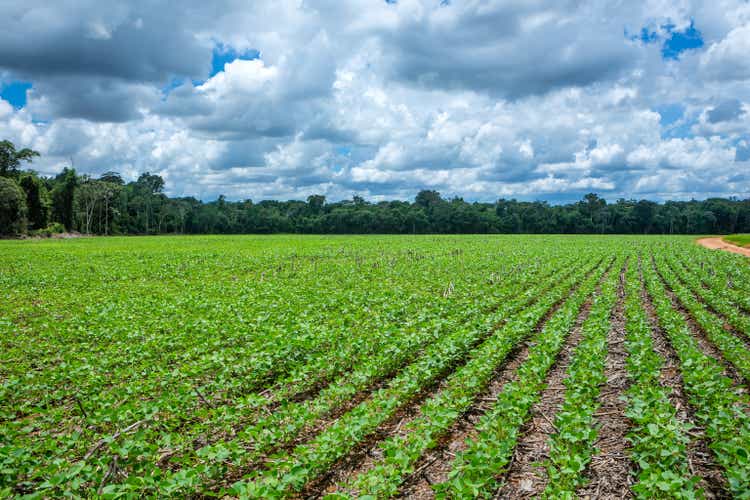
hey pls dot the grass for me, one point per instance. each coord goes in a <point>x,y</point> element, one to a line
<point>742,240</point>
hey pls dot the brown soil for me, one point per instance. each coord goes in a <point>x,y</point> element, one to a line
<point>436,464</point>
<point>700,458</point>
<point>610,469</point>
<point>708,347</point>
<point>524,479</point>
<point>719,244</point>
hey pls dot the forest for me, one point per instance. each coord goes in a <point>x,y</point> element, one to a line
<point>36,205</point>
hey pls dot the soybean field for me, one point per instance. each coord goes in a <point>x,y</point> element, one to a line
<point>374,366</point>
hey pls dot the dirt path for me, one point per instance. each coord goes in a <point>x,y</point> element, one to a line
<point>720,244</point>
<point>610,470</point>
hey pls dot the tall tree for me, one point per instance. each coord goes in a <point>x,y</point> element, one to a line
<point>63,197</point>
<point>90,196</point>
<point>37,200</point>
<point>316,202</point>
<point>12,207</point>
<point>10,158</point>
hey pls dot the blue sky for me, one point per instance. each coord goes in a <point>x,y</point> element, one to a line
<point>381,99</point>
<point>14,92</point>
<point>223,54</point>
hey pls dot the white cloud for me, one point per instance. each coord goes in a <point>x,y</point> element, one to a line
<point>728,59</point>
<point>481,99</point>
<point>239,77</point>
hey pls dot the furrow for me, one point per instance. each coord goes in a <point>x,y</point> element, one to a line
<point>667,406</point>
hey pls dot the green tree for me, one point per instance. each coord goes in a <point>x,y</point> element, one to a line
<point>644,212</point>
<point>428,199</point>
<point>316,202</point>
<point>112,178</point>
<point>91,198</point>
<point>12,207</point>
<point>10,158</point>
<point>63,197</point>
<point>37,200</point>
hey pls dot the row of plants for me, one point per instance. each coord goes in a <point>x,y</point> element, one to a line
<point>477,471</point>
<point>731,347</point>
<point>718,275</point>
<point>249,366</point>
<point>290,472</point>
<point>572,445</point>
<point>286,421</point>
<point>402,452</point>
<point>724,301</point>
<point>106,366</point>
<point>658,437</point>
<point>728,270</point>
<point>721,408</point>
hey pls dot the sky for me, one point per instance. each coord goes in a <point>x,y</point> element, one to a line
<point>277,99</point>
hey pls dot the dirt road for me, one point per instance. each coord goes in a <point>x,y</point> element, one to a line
<point>719,244</point>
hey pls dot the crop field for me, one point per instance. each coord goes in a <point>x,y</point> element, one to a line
<point>380,366</point>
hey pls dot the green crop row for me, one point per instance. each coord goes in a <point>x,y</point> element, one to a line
<point>437,414</point>
<point>730,346</point>
<point>658,438</point>
<point>293,471</point>
<point>253,366</point>
<point>166,415</point>
<point>719,299</point>
<point>286,421</point>
<point>716,279</point>
<point>476,471</point>
<point>572,445</point>
<point>720,408</point>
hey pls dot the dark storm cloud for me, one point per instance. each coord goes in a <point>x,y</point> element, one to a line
<point>91,60</point>
<point>144,41</point>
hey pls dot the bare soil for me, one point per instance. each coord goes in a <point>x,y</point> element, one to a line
<point>716,243</point>
<point>700,458</point>
<point>610,469</point>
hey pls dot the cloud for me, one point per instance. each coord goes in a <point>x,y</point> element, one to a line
<point>726,111</point>
<point>508,49</point>
<point>94,99</point>
<point>481,99</point>
<point>727,59</point>
<point>129,41</point>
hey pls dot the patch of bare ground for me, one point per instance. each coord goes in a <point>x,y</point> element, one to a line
<point>700,337</point>
<point>610,470</point>
<point>700,458</point>
<point>367,454</point>
<point>720,244</point>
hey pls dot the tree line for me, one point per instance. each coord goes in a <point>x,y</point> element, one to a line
<point>107,205</point>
